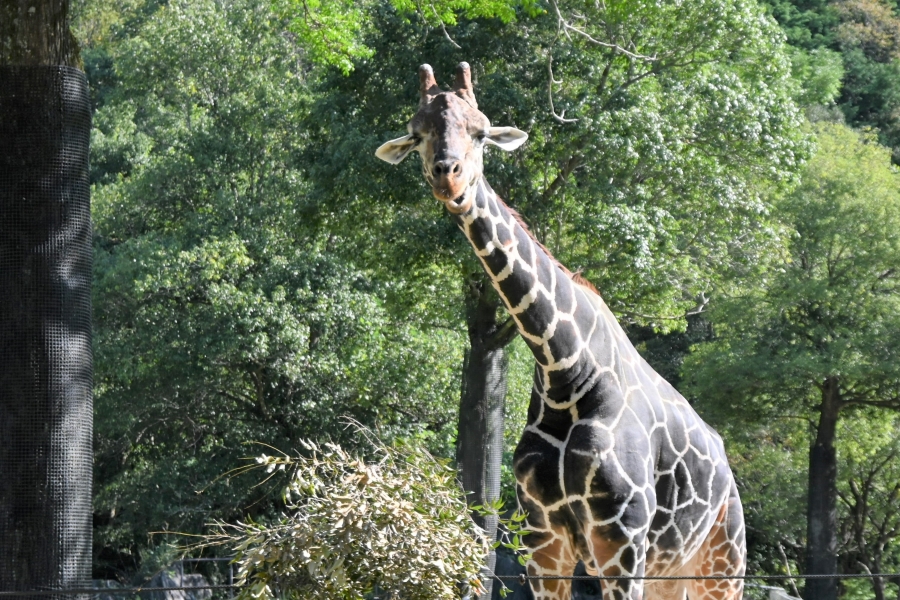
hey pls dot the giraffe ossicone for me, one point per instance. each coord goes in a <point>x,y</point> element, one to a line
<point>614,467</point>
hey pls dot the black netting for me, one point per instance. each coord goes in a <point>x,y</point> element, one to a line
<point>45,329</point>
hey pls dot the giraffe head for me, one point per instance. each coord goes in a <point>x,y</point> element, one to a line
<point>450,133</point>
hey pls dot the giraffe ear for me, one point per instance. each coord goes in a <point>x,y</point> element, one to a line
<point>508,138</point>
<point>395,151</point>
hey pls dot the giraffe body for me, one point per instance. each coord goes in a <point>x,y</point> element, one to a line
<point>614,467</point>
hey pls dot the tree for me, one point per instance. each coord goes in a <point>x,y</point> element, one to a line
<point>868,492</point>
<point>865,33</point>
<point>224,315</point>
<point>45,335</point>
<point>36,34</point>
<point>815,334</point>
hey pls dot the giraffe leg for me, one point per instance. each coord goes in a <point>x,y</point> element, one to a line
<point>723,552</point>
<point>552,555</point>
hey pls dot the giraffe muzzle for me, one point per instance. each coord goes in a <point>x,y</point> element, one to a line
<point>448,181</point>
<point>446,193</point>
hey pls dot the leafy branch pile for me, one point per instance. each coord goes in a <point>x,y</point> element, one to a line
<point>397,526</point>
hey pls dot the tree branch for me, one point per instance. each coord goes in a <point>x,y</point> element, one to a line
<point>566,27</point>
<point>561,118</point>
<point>889,403</point>
<point>573,163</point>
<point>787,567</point>
<point>504,335</point>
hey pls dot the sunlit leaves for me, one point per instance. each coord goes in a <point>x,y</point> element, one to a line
<point>818,75</point>
<point>329,30</point>
<point>222,313</point>
<point>830,308</point>
<point>447,12</point>
<point>333,32</point>
<point>828,311</point>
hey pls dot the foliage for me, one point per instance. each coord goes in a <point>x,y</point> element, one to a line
<point>222,314</point>
<point>396,526</point>
<point>329,30</point>
<point>334,32</point>
<point>831,307</point>
<point>770,464</point>
<point>871,26</point>
<point>819,75</point>
<point>675,136</point>
<point>825,316</point>
<point>869,37</point>
<point>807,24</point>
<point>869,490</point>
<point>657,185</point>
<point>871,96</point>
<point>865,32</point>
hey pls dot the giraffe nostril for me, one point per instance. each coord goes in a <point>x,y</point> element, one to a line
<point>447,168</point>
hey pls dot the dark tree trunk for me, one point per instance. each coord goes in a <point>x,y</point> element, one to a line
<point>480,433</point>
<point>878,588</point>
<point>879,584</point>
<point>821,521</point>
<point>45,310</point>
<point>36,33</point>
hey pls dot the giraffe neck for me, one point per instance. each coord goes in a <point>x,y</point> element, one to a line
<point>558,318</point>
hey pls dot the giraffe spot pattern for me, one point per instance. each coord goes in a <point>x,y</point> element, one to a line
<point>614,467</point>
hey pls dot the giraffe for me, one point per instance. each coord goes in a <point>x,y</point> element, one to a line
<point>614,467</point>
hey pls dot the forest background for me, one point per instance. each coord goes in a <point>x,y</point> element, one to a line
<point>723,172</point>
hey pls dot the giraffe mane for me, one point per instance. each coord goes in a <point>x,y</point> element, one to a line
<point>576,277</point>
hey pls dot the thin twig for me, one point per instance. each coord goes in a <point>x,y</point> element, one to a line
<point>561,118</point>
<point>787,566</point>
<point>444,29</point>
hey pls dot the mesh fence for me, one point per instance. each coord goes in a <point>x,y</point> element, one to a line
<point>180,586</point>
<point>45,330</point>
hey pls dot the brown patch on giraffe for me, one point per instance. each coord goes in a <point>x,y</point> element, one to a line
<point>556,558</point>
<point>546,553</point>
<point>719,556</point>
<point>606,542</point>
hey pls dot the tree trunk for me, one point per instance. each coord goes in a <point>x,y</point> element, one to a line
<point>36,33</point>
<point>821,521</point>
<point>878,588</point>
<point>45,320</point>
<point>879,584</point>
<point>481,419</point>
